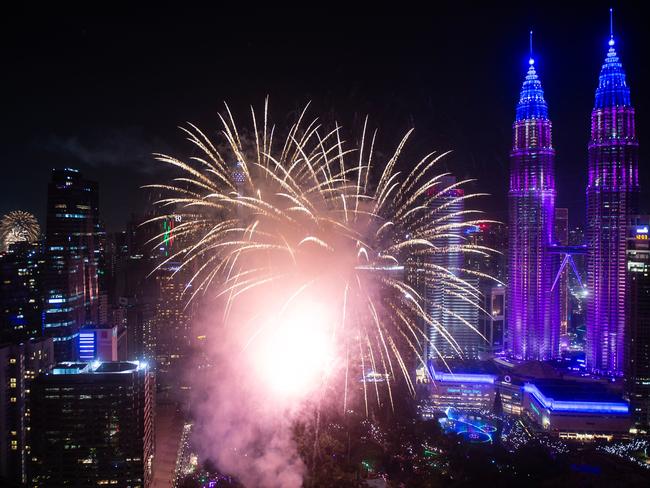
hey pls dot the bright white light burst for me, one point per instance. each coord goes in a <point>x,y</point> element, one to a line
<point>310,249</point>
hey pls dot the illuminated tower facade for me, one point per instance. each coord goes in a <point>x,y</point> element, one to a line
<point>70,282</point>
<point>612,194</point>
<point>532,315</point>
<point>451,311</point>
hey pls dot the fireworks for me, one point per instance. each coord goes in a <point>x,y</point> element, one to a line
<point>306,243</point>
<point>18,226</point>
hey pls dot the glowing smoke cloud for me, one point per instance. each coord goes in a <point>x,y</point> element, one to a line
<point>302,241</point>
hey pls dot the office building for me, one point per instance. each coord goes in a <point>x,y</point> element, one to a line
<point>451,310</point>
<point>637,333</point>
<point>92,425</point>
<point>71,283</point>
<point>172,322</point>
<point>19,365</point>
<point>492,320</point>
<point>21,303</point>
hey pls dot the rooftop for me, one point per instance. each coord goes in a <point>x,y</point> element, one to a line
<point>578,391</point>
<point>576,397</point>
<point>98,367</point>
<point>468,371</point>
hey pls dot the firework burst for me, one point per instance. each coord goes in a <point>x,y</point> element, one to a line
<point>305,235</point>
<point>18,226</point>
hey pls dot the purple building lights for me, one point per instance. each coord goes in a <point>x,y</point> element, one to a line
<point>612,190</point>
<point>533,319</point>
<point>463,377</point>
<point>577,406</point>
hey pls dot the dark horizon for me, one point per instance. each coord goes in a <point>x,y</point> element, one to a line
<point>102,94</point>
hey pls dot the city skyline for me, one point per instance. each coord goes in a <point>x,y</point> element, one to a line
<point>113,143</point>
<point>406,251</point>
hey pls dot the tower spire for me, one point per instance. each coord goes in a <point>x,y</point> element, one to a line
<point>534,309</point>
<point>612,198</point>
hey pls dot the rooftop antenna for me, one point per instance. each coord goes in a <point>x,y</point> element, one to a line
<point>611,26</point>
<point>531,60</point>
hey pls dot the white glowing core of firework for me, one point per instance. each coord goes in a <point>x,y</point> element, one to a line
<point>297,352</point>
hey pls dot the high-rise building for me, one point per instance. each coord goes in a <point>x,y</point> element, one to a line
<point>172,324</point>
<point>92,425</point>
<point>637,334</point>
<point>533,328</point>
<point>612,193</point>
<point>19,365</point>
<point>492,319</point>
<point>492,236</point>
<point>141,331</point>
<point>71,285</point>
<point>451,310</point>
<point>562,239</point>
<point>12,408</point>
<point>21,302</point>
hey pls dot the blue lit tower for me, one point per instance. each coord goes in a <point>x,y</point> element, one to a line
<point>612,194</point>
<point>533,319</point>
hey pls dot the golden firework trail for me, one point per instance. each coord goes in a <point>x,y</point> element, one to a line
<point>311,213</point>
<point>18,226</point>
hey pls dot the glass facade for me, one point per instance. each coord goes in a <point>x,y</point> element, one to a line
<point>612,193</point>
<point>71,278</point>
<point>532,313</point>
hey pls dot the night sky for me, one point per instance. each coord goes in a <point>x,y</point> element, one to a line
<point>101,93</point>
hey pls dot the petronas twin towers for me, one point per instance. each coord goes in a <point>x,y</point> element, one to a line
<point>533,321</point>
<point>533,311</point>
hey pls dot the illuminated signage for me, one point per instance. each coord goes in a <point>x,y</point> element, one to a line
<point>87,346</point>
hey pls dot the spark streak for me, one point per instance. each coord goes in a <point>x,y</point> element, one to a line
<point>301,225</point>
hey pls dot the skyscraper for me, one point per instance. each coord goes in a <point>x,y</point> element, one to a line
<point>533,328</point>
<point>172,325</point>
<point>21,274</point>
<point>449,311</point>
<point>19,365</point>
<point>71,287</point>
<point>612,193</point>
<point>491,324</point>
<point>637,335</point>
<point>92,425</point>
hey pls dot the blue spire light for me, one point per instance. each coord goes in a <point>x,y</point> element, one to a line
<point>612,88</point>
<point>532,104</point>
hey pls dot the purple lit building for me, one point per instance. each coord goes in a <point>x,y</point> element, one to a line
<point>612,193</point>
<point>533,318</point>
